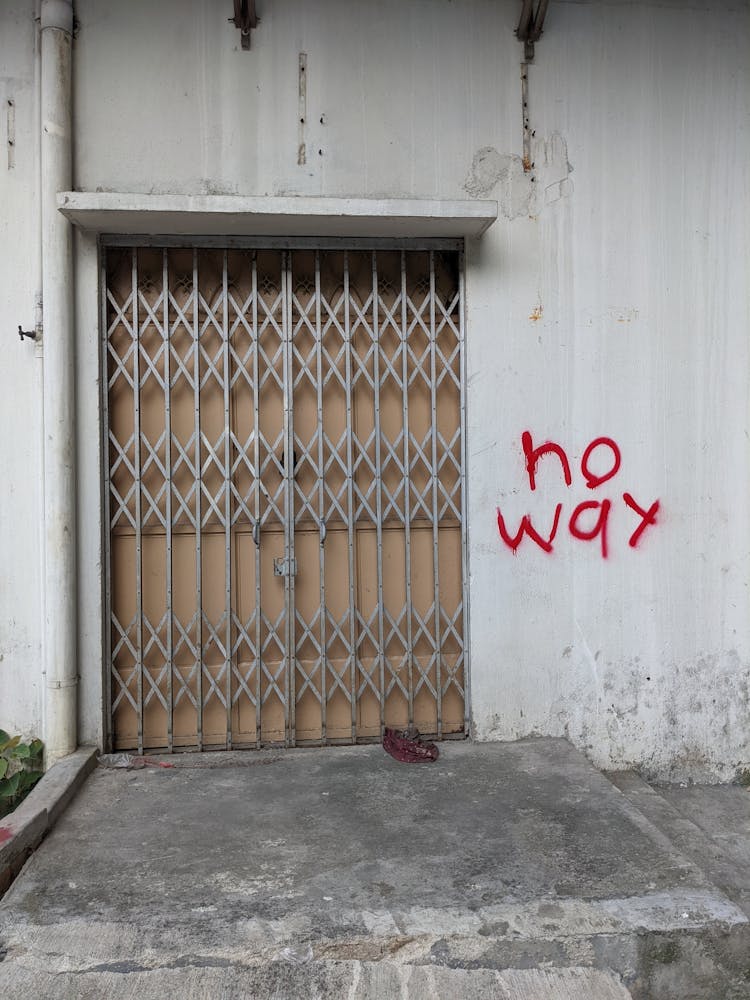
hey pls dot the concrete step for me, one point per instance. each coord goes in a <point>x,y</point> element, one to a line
<point>349,980</point>
<point>342,873</point>
<point>709,824</point>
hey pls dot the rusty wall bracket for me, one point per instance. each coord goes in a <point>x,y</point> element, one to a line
<point>245,19</point>
<point>530,25</point>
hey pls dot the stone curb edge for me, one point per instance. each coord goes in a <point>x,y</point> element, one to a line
<point>23,830</point>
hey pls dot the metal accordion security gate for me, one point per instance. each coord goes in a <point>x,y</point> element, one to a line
<point>284,492</point>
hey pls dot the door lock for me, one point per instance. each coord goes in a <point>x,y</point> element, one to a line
<point>284,567</point>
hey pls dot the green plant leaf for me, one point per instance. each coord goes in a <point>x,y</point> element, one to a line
<point>27,780</point>
<point>3,767</point>
<point>9,786</point>
<point>36,747</point>
<point>4,737</point>
<point>22,751</point>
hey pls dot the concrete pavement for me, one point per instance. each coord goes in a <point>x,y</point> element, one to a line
<point>503,870</point>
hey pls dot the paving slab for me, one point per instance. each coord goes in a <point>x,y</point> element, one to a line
<point>341,872</point>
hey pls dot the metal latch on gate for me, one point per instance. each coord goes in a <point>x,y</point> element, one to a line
<point>284,567</point>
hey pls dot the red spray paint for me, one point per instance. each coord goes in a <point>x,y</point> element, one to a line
<point>534,454</point>
<point>647,517</point>
<point>593,480</point>
<point>526,527</point>
<point>600,528</point>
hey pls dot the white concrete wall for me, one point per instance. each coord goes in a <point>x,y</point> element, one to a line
<point>640,276</point>
<point>609,300</point>
<point>20,387</point>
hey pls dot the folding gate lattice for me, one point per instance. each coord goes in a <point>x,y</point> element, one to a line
<point>284,493</point>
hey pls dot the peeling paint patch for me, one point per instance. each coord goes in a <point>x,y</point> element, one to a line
<point>623,314</point>
<point>522,187</point>
<point>487,168</point>
<point>552,171</point>
<point>490,170</point>
<point>536,313</point>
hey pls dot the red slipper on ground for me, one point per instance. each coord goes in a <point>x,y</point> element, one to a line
<point>408,746</point>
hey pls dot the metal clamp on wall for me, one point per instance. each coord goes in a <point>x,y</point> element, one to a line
<point>530,25</point>
<point>245,19</point>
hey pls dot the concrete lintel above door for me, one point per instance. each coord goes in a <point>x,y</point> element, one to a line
<point>236,215</point>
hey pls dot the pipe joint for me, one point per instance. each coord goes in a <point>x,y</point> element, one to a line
<point>57,685</point>
<point>57,14</point>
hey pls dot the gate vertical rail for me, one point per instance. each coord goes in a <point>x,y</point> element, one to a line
<point>290,655</point>
<point>464,455</point>
<point>168,501</point>
<point>256,491</point>
<point>435,511</point>
<point>107,519</point>
<point>323,613</point>
<point>378,484</point>
<point>198,504</point>
<point>138,496</point>
<point>350,499</point>
<point>407,490</point>
<point>227,499</point>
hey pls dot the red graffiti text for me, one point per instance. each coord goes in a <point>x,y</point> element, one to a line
<point>589,520</point>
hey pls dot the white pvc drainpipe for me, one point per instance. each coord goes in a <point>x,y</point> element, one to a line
<point>60,619</point>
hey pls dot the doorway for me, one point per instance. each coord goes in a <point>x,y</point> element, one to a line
<point>284,493</point>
